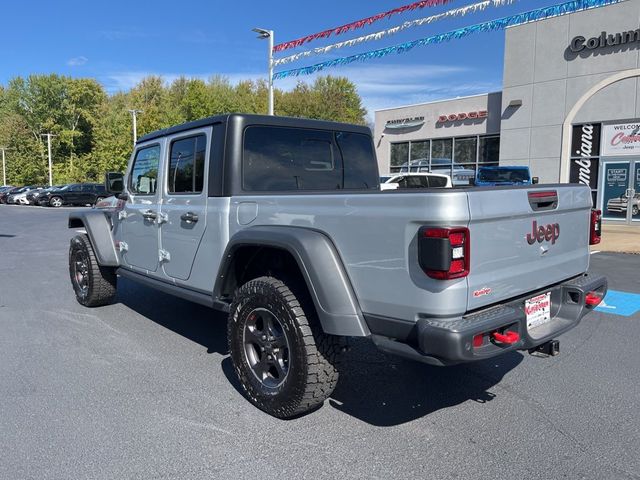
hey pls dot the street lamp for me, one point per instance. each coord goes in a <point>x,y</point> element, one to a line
<point>4,171</point>
<point>49,135</point>
<point>134,114</point>
<point>262,34</point>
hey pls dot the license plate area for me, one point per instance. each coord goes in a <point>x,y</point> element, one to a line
<point>538,310</point>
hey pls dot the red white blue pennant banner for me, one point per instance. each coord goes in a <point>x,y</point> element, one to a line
<point>493,25</point>
<point>456,12</point>
<point>358,24</point>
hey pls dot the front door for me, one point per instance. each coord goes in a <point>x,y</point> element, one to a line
<point>620,187</point>
<point>183,211</point>
<point>139,225</point>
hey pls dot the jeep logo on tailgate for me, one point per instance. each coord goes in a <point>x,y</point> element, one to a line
<point>543,233</point>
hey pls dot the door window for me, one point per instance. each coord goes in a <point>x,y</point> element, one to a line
<point>186,165</point>
<point>144,173</point>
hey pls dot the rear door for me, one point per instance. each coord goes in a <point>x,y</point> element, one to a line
<point>139,227</point>
<point>183,210</point>
<point>524,239</point>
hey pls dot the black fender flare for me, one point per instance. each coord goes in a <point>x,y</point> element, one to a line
<point>98,228</point>
<point>321,266</point>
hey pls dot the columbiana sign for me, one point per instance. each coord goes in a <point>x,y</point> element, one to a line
<point>580,43</point>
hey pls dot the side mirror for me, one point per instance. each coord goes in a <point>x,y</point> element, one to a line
<point>535,180</point>
<point>114,182</point>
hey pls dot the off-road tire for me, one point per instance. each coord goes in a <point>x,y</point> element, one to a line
<point>95,285</point>
<point>312,355</point>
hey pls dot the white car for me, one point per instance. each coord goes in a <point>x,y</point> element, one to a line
<point>416,180</point>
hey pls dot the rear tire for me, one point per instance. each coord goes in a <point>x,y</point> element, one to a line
<point>634,210</point>
<point>93,285</point>
<point>285,363</point>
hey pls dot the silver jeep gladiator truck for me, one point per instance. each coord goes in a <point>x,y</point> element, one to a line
<point>281,223</point>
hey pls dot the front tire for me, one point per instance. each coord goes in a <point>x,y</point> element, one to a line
<point>634,210</point>
<point>93,285</point>
<point>55,202</point>
<point>285,363</point>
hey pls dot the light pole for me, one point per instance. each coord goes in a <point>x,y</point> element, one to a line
<point>49,135</point>
<point>262,34</point>
<point>4,171</point>
<point>134,114</point>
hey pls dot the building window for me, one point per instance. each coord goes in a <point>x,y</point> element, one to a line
<point>445,155</point>
<point>489,150</point>
<point>399,155</point>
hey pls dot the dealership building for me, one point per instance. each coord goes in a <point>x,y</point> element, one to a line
<point>569,109</point>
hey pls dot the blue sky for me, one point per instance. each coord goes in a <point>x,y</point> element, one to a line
<point>120,42</point>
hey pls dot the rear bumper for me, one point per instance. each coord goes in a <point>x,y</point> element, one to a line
<point>450,341</point>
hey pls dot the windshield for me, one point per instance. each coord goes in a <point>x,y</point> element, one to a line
<point>511,175</point>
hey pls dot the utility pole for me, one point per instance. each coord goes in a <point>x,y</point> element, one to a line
<point>4,171</point>
<point>49,135</point>
<point>262,34</point>
<point>134,115</point>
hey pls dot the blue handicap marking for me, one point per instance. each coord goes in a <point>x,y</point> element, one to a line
<point>620,303</point>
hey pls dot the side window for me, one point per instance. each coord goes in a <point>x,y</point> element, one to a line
<point>289,159</point>
<point>87,188</point>
<point>437,182</point>
<point>359,159</point>
<point>417,182</point>
<point>144,173</point>
<point>186,165</point>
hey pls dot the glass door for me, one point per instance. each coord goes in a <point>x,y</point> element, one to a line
<point>620,190</point>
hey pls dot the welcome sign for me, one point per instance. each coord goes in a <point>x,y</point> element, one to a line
<point>621,139</point>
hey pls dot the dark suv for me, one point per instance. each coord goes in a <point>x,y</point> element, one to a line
<point>74,194</point>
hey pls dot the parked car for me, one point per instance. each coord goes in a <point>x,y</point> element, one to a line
<point>4,195</point>
<point>19,196</point>
<point>460,175</point>
<point>3,191</point>
<point>416,180</point>
<point>504,175</point>
<point>621,203</point>
<point>74,194</point>
<point>34,195</point>
<point>441,276</point>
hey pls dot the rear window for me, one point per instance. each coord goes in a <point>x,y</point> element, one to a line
<point>291,159</point>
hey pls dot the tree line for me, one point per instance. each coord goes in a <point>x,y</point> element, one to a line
<point>93,130</point>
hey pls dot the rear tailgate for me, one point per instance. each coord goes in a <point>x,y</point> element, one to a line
<point>509,258</point>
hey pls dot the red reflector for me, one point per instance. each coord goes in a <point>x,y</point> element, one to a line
<point>477,340</point>
<point>456,238</point>
<point>592,299</point>
<point>507,338</point>
<point>436,232</point>
<point>457,266</point>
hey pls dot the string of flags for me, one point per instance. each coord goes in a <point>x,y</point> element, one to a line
<point>490,26</point>
<point>456,12</point>
<point>358,24</point>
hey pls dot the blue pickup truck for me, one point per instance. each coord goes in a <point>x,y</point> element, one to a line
<point>504,175</point>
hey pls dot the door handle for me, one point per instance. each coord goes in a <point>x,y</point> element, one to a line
<point>149,214</point>
<point>189,217</point>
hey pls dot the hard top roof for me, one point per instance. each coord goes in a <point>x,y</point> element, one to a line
<point>251,119</point>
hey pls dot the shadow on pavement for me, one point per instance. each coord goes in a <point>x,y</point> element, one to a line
<point>196,322</point>
<point>383,390</point>
<point>376,388</point>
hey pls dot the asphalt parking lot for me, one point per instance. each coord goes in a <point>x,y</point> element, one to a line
<point>144,389</point>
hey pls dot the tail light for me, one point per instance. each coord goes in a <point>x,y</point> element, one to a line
<point>443,253</point>
<point>595,230</point>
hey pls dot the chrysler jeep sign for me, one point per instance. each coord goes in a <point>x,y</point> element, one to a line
<point>604,40</point>
<point>621,139</point>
